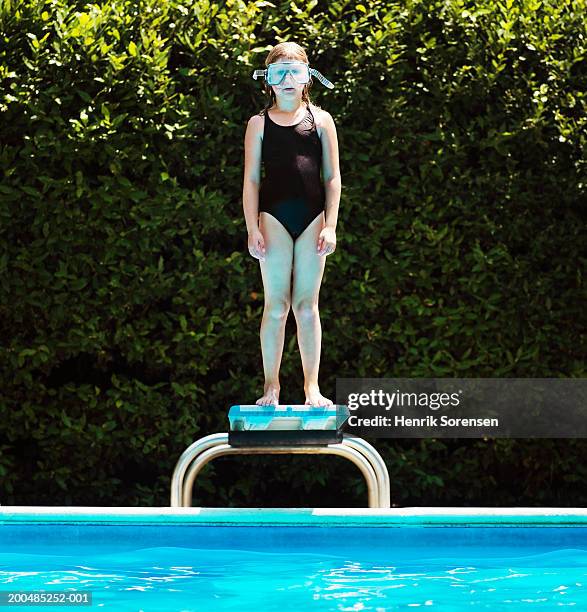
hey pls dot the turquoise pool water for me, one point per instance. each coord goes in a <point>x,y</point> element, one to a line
<point>347,564</point>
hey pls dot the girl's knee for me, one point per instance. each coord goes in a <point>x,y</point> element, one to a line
<point>277,308</point>
<point>306,308</point>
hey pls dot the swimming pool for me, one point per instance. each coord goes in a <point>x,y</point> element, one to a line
<point>167,559</point>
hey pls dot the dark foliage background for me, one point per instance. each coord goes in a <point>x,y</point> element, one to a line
<point>130,308</point>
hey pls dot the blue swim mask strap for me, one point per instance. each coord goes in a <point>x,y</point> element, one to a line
<point>299,70</point>
<point>321,78</point>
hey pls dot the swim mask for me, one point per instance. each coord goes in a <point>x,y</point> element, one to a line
<point>300,71</point>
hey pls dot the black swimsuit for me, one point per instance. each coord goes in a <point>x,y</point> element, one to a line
<point>292,190</point>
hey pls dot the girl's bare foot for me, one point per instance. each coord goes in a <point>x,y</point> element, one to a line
<point>270,396</point>
<point>315,398</point>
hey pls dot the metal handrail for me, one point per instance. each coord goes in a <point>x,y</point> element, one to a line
<point>369,451</point>
<point>357,450</point>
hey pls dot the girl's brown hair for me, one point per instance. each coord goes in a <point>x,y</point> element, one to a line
<point>286,51</point>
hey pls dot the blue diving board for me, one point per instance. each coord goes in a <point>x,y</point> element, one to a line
<point>291,425</point>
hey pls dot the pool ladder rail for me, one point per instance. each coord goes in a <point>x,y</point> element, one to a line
<point>284,429</point>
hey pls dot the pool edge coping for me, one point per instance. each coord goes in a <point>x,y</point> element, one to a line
<point>409,516</point>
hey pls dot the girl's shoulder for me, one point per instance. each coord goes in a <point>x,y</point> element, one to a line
<point>320,116</point>
<point>316,111</point>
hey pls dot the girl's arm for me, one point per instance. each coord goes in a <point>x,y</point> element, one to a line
<point>330,168</point>
<point>252,172</point>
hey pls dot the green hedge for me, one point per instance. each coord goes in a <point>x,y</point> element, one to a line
<point>130,308</point>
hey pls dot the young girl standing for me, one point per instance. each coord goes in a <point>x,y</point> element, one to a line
<point>291,214</point>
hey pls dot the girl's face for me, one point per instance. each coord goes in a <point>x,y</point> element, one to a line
<point>289,88</point>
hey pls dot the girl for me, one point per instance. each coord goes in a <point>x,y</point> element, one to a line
<point>291,215</point>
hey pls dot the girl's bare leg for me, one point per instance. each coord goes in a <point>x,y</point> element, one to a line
<point>276,273</point>
<point>308,268</point>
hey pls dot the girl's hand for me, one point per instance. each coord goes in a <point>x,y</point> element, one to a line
<point>257,244</point>
<point>327,241</point>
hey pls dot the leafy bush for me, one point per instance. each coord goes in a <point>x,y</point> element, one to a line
<point>130,308</point>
